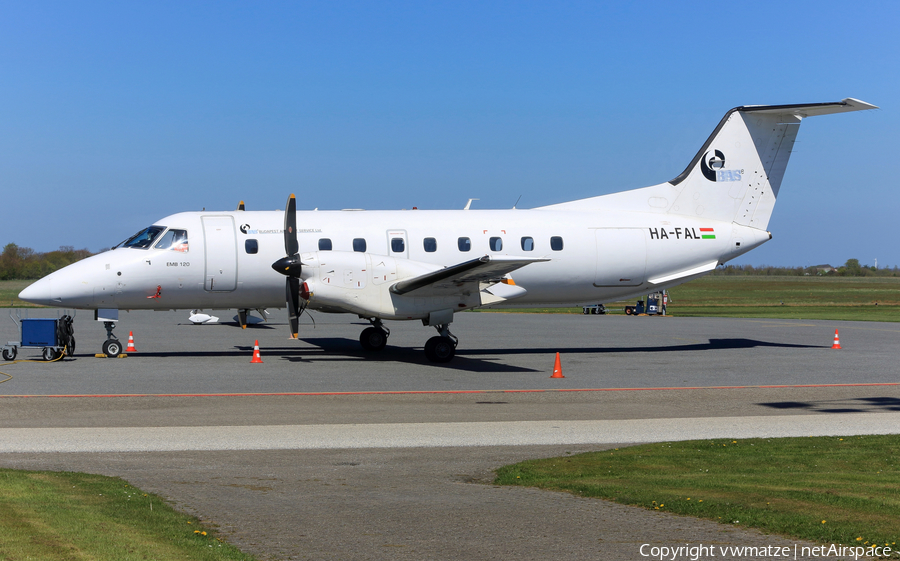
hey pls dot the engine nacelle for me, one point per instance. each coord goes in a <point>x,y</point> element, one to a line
<point>344,281</point>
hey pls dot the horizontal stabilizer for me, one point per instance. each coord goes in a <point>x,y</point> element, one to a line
<point>811,109</point>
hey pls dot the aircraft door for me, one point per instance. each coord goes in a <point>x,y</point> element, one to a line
<point>621,257</point>
<point>220,248</point>
<point>398,245</point>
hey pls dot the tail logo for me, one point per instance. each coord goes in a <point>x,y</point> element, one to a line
<point>711,166</point>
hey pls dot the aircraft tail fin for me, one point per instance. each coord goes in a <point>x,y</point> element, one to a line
<point>737,173</point>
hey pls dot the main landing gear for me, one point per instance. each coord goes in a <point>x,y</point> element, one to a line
<point>374,338</point>
<point>437,349</point>
<point>443,347</point>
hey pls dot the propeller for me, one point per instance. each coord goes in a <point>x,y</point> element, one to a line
<point>289,265</point>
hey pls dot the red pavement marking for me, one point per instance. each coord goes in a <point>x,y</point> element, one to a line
<point>453,392</point>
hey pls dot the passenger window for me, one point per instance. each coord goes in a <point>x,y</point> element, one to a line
<point>359,244</point>
<point>324,244</point>
<point>397,245</point>
<point>527,244</point>
<point>430,245</point>
<point>556,243</point>
<point>251,246</point>
<point>175,240</point>
<point>465,244</point>
<point>496,244</point>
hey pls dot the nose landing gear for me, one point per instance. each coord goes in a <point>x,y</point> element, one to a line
<point>112,347</point>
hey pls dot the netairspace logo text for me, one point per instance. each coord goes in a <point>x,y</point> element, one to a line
<point>698,552</point>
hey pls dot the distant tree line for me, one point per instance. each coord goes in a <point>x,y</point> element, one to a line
<point>23,263</point>
<point>851,268</point>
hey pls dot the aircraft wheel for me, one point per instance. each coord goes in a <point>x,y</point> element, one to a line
<point>112,348</point>
<point>51,353</point>
<point>9,354</point>
<point>373,339</point>
<point>440,349</point>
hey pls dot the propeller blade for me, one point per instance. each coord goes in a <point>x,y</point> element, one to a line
<point>292,286</point>
<point>291,245</point>
<point>290,266</point>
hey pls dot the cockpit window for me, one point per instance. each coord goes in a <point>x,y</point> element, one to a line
<point>144,238</point>
<point>176,240</point>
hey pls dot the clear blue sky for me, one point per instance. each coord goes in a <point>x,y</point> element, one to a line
<point>115,114</point>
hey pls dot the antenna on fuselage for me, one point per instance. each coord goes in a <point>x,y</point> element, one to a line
<point>240,205</point>
<point>517,202</point>
<point>468,204</point>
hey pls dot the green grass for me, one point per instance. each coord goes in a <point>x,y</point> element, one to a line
<point>772,291</point>
<point>9,294</point>
<point>832,298</point>
<point>824,489</point>
<point>60,515</point>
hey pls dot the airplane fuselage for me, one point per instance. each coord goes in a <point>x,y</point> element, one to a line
<point>593,256</point>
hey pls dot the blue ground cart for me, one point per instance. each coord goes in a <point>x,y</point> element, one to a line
<point>53,335</point>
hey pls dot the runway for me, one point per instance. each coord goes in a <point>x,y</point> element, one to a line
<point>325,452</point>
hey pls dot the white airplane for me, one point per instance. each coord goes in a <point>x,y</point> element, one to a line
<point>429,264</point>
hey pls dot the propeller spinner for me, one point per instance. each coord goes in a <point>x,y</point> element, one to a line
<point>289,265</point>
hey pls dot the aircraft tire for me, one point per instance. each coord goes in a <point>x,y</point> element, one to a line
<point>440,349</point>
<point>112,348</point>
<point>373,339</point>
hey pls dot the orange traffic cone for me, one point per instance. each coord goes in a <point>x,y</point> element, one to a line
<point>557,369</point>
<point>256,357</point>
<point>130,348</point>
<point>837,341</point>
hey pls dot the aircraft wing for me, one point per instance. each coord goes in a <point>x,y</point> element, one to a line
<point>468,275</point>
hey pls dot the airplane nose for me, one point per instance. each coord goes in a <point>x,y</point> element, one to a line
<point>38,292</point>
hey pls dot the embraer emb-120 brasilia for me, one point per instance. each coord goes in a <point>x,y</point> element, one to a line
<point>429,264</point>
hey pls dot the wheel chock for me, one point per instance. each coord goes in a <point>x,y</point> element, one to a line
<point>102,355</point>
